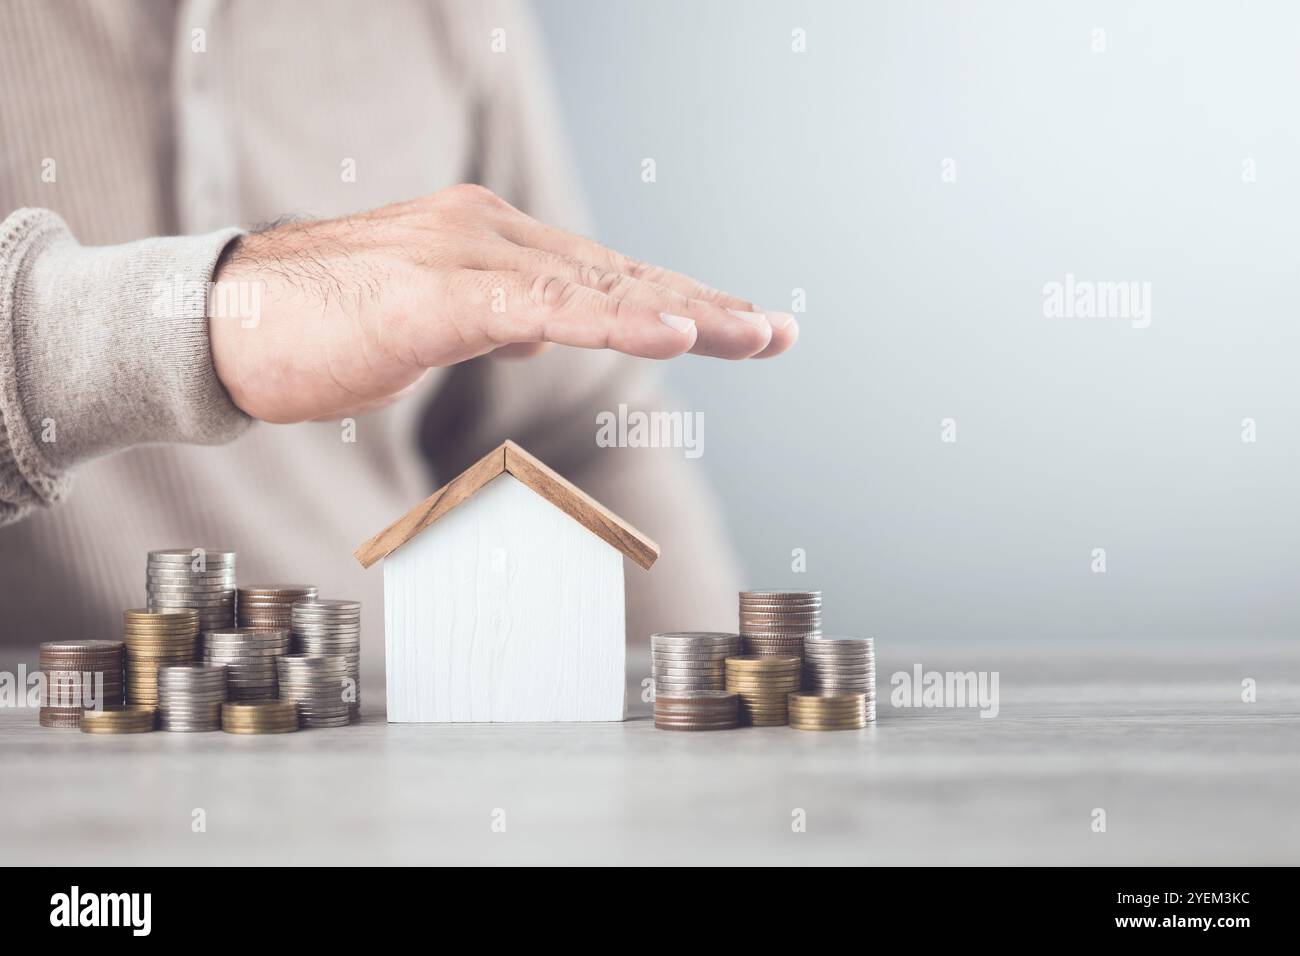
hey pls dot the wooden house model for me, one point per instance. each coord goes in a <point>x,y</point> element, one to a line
<point>503,598</point>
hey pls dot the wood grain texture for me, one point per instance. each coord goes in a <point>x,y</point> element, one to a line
<point>580,506</point>
<point>510,457</point>
<point>507,611</point>
<point>460,488</point>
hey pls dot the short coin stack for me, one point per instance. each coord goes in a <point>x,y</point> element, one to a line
<point>686,661</point>
<point>828,711</point>
<point>270,605</point>
<point>697,710</point>
<point>778,622</point>
<point>330,629</point>
<point>841,665</point>
<point>318,686</point>
<point>196,578</point>
<point>260,717</point>
<point>79,675</point>
<point>190,696</point>
<point>249,655</point>
<point>763,684</point>
<point>155,639</point>
<point>119,720</point>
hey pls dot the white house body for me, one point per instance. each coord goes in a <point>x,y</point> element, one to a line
<point>503,598</point>
<point>506,609</point>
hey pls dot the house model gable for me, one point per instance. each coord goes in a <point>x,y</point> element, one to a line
<point>503,598</point>
<point>509,458</point>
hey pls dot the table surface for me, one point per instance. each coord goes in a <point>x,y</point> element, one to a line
<point>1186,772</point>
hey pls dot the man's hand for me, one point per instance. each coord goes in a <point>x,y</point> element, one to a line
<point>351,312</point>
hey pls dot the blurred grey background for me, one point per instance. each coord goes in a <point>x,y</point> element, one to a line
<point>821,171</point>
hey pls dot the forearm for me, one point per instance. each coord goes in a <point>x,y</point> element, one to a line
<point>101,348</point>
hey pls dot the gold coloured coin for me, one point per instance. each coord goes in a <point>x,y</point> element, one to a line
<point>752,661</point>
<point>125,720</point>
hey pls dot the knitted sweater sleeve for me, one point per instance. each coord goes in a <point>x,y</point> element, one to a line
<point>101,348</point>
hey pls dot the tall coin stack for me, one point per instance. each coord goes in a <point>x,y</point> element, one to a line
<point>763,684</point>
<point>331,629</point>
<point>697,710</point>
<point>249,655</point>
<point>190,697</point>
<point>270,605</point>
<point>829,711</point>
<point>79,674</point>
<point>683,661</point>
<point>155,639</point>
<point>841,665</point>
<point>778,622</point>
<point>316,685</point>
<point>198,579</point>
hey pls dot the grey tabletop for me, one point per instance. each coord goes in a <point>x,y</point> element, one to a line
<point>1159,739</point>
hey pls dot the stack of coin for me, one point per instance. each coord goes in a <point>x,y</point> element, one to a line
<point>841,665</point>
<point>828,711</point>
<point>119,720</point>
<point>190,696</point>
<point>763,684</point>
<point>79,675</point>
<point>249,655</point>
<point>330,629</point>
<point>269,605</point>
<point>682,661</point>
<point>697,710</point>
<point>319,686</point>
<point>153,639</point>
<point>778,622</point>
<point>195,578</point>
<point>260,717</point>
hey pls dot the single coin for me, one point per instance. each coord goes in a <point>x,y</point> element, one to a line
<point>725,725</point>
<point>688,673</point>
<point>327,605</point>
<point>839,717</point>
<point>125,720</point>
<point>800,699</point>
<point>149,617</point>
<point>718,696</point>
<point>208,555</point>
<point>92,647</point>
<point>760,678</point>
<point>748,662</point>
<point>785,684</point>
<point>691,637</point>
<point>709,709</point>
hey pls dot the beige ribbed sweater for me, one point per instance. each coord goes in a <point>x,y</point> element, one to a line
<point>125,126</point>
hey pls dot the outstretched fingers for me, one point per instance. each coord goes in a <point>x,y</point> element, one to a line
<point>723,333</point>
<point>512,307</point>
<point>722,336</point>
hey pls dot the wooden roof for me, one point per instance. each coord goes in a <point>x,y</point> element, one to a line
<point>509,458</point>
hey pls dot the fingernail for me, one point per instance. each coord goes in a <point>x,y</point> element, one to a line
<point>677,323</point>
<point>753,318</point>
<point>779,320</point>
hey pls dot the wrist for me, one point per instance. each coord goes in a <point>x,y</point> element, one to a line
<point>233,308</point>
